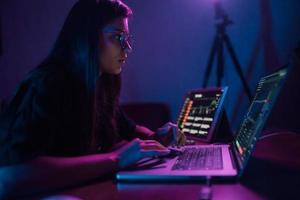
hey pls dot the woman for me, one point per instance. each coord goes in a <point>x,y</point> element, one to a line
<point>64,125</point>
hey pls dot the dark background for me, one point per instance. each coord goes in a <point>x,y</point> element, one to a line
<point>172,39</point>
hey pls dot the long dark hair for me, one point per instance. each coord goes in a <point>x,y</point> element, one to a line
<point>77,50</point>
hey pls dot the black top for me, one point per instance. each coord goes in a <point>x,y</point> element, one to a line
<point>42,119</point>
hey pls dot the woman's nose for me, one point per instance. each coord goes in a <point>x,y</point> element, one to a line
<point>128,48</point>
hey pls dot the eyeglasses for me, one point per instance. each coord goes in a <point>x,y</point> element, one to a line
<point>124,39</point>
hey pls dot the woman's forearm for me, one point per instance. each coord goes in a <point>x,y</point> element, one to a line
<point>47,173</point>
<point>147,134</point>
<point>143,132</point>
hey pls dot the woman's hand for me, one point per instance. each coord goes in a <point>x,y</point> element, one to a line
<point>169,134</point>
<point>137,149</point>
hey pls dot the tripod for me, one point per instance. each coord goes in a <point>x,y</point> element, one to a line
<point>222,40</point>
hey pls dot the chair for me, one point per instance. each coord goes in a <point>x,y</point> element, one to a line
<point>150,115</point>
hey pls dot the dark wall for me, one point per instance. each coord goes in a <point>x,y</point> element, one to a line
<point>172,39</point>
<point>286,111</point>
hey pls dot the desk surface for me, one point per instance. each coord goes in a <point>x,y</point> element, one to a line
<point>273,172</point>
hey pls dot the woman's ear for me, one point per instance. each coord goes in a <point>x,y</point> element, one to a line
<point>100,72</point>
<point>101,40</point>
<point>101,45</point>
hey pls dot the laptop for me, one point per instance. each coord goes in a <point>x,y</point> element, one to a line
<point>222,161</point>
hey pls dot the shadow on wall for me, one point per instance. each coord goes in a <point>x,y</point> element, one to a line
<point>264,43</point>
<point>285,114</point>
<point>1,42</point>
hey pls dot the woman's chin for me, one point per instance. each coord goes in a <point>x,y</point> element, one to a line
<point>117,71</point>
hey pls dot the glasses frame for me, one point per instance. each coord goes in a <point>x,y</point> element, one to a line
<point>124,39</point>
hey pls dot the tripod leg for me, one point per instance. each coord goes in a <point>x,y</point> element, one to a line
<point>237,66</point>
<point>210,62</point>
<point>220,62</point>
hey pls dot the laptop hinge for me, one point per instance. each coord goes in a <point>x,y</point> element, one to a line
<point>234,159</point>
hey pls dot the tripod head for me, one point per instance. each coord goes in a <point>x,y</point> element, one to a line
<point>222,18</point>
<point>220,43</point>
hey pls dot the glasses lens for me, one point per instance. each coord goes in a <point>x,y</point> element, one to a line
<point>125,41</point>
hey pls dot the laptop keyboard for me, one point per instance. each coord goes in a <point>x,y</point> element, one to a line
<point>193,158</point>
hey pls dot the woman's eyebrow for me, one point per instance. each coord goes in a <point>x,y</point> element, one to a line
<point>113,28</point>
<point>121,30</point>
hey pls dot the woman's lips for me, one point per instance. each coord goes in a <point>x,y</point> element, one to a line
<point>122,61</point>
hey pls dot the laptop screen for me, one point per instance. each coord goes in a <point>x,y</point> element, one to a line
<point>201,111</point>
<point>257,114</point>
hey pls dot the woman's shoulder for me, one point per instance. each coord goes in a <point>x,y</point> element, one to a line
<point>39,90</point>
<point>42,86</point>
<point>45,79</point>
